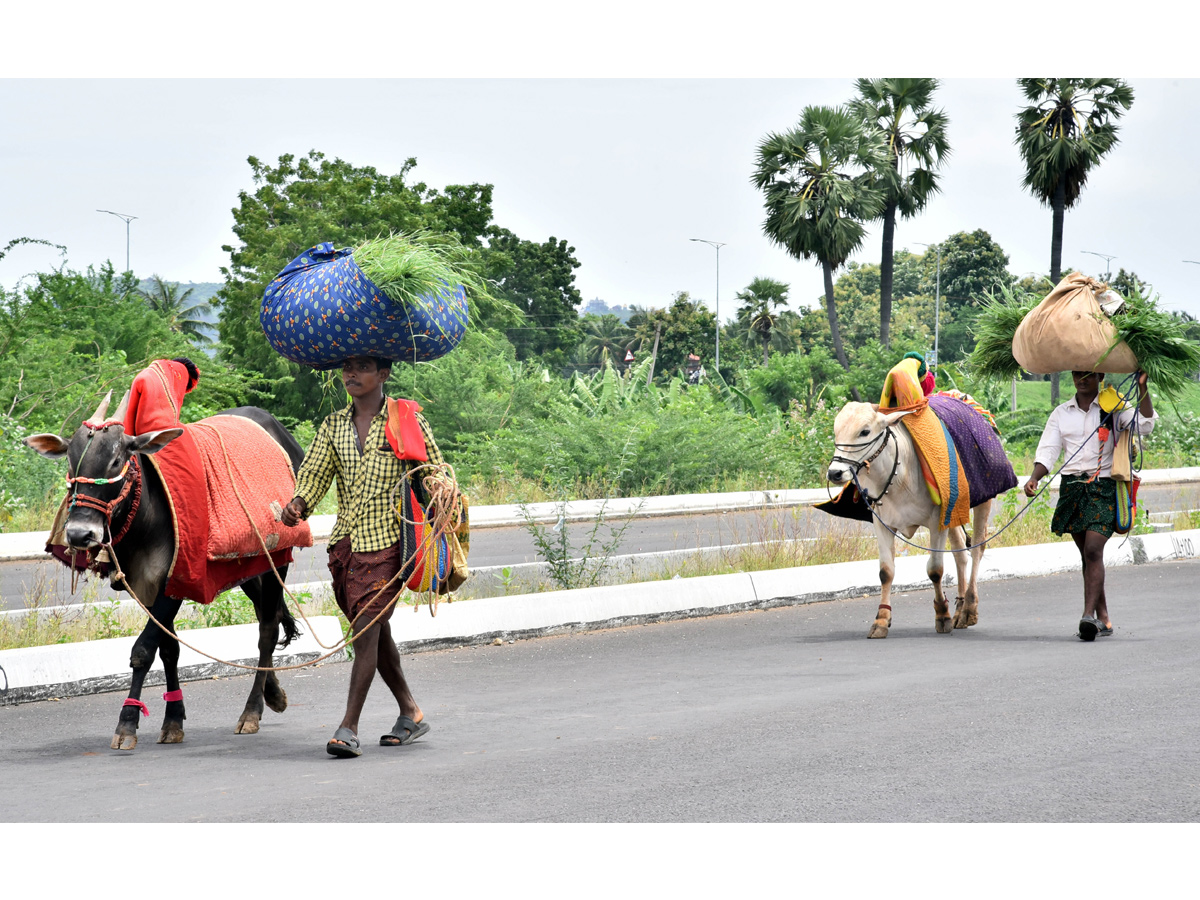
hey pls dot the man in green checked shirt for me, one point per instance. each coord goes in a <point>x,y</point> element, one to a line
<point>367,548</point>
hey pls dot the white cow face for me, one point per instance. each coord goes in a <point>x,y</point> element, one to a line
<point>858,432</point>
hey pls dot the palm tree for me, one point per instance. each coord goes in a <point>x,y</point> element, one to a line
<point>916,145</point>
<point>818,179</point>
<point>760,299</point>
<point>1064,132</point>
<point>605,332</point>
<point>182,315</point>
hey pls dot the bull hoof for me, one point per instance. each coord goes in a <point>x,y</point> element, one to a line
<point>965,616</point>
<point>275,697</point>
<point>965,620</point>
<point>172,733</point>
<point>247,724</point>
<point>878,631</point>
<point>944,625</point>
<point>123,741</point>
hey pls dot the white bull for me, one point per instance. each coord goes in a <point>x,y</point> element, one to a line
<point>884,456</point>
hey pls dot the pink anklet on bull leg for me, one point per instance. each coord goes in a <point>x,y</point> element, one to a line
<point>172,728</point>
<point>129,701</point>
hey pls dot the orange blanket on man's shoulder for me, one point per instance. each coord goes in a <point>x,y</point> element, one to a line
<point>222,474</point>
<point>942,469</point>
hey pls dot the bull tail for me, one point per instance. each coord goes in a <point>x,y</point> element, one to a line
<point>291,630</point>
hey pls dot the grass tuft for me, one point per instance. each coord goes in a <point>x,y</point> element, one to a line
<point>415,269</point>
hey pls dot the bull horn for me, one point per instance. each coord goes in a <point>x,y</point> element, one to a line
<point>98,416</point>
<point>123,408</point>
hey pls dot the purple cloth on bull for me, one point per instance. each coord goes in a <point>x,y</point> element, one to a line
<point>989,473</point>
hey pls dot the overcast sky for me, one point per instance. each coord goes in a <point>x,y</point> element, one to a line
<point>625,169</point>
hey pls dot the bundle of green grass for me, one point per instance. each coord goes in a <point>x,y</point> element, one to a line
<point>1156,339</point>
<point>399,297</point>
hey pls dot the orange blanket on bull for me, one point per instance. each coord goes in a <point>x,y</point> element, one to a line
<point>220,474</point>
<point>940,465</point>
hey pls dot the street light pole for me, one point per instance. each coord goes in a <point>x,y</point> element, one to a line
<point>716,245</point>
<point>127,219</point>
<point>1107,260</point>
<point>937,304</point>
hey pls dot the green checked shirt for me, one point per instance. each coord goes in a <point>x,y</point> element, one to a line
<point>366,482</point>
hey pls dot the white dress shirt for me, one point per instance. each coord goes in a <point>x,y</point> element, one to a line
<point>1070,429</point>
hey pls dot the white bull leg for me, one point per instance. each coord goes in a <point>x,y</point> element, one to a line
<point>958,547</point>
<point>936,568</point>
<point>966,610</point>
<point>887,573</point>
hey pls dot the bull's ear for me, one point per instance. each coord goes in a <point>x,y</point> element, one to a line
<point>50,446</point>
<point>892,418</point>
<point>153,441</point>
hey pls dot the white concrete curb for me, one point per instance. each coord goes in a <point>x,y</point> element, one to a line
<point>71,669</point>
<point>32,544</point>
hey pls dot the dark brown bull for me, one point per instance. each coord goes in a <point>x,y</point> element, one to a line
<point>145,550</point>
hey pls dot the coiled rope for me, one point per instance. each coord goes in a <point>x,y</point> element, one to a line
<point>445,503</point>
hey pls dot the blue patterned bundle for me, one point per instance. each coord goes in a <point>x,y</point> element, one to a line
<point>322,309</point>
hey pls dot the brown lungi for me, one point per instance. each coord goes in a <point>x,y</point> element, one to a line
<point>359,577</point>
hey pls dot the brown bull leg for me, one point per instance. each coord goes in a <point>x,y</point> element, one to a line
<point>140,660</point>
<point>887,574</point>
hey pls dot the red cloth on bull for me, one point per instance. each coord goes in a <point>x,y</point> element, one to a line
<point>321,309</point>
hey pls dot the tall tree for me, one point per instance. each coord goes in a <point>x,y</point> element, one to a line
<point>1064,132</point>
<point>303,202</point>
<point>760,301</point>
<point>972,264</point>
<point>687,326</point>
<point>915,133</point>
<point>182,314</point>
<point>819,184</point>
<point>539,279</point>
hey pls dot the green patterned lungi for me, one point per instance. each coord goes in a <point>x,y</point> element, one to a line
<point>1085,506</point>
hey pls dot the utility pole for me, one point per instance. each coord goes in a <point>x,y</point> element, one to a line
<point>716,245</point>
<point>654,355</point>
<point>937,305</point>
<point>1107,260</point>
<point>127,219</point>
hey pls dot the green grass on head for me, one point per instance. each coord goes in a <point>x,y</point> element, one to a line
<point>413,269</point>
<point>994,329</point>
<point>1158,341</point>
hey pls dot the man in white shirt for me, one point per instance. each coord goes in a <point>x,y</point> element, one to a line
<point>1087,494</point>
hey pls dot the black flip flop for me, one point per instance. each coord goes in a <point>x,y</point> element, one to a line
<point>1088,628</point>
<point>344,744</point>
<point>405,731</point>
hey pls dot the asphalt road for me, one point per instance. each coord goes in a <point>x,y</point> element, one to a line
<point>786,715</point>
<point>512,545</point>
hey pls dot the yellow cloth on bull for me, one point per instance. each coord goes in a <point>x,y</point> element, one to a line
<point>940,465</point>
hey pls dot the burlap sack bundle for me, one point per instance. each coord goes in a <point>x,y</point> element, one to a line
<point>1068,331</point>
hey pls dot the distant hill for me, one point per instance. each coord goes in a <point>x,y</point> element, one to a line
<point>598,307</point>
